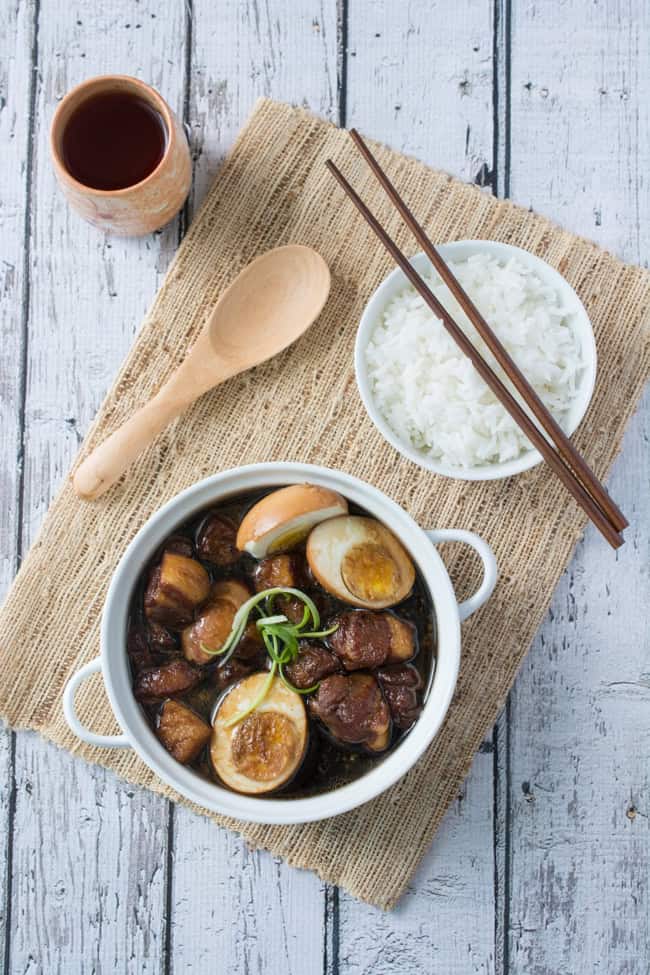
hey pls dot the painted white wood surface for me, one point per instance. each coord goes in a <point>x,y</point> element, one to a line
<point>16,41</point>
<point>88,858</point>
<point>103,878</point>
<point>578,776</point>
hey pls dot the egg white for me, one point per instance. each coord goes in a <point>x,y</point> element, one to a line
<point>329,543</point>
<point>299,525</point>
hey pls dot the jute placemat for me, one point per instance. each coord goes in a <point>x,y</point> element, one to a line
<point>273,189</point>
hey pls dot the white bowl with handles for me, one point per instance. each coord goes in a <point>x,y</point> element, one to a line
<point>456,251</point>
<point>114,665</point>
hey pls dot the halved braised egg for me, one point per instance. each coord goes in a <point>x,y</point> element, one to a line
<point>284,518</point>
<point>263,751</point>
<point>360,561</point>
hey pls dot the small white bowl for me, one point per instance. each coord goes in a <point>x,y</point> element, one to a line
<point>460,250</point>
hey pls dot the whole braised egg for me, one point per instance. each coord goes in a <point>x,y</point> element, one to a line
<point>360,561</point>
<point>282,519</point>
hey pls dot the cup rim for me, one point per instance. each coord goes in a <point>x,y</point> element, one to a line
<point>455,250</point>
<point>273,809</point>
<point>95,85</point>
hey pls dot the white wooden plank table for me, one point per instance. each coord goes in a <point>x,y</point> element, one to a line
<point>541,865</point>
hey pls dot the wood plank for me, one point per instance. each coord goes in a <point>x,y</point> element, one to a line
<point>16,81</point>
<point>16,40</point>
<point>247,910</point>
<point>445,923</point>
<point>6,824</point>
<point>242,51</point>
<point>89,855</point>
<point>579,740</point>
<point>420,79</point>
<point>89,868</point>
<point>577,774</point>
<point>579,116</point>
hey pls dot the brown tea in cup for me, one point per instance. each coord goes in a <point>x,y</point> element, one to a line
<point>120,155</point>
<point>113,140</point>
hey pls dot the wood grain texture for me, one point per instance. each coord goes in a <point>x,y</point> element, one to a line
<point>89,869</point>
<point>17,31</point>
<point>88,861</point>
<point>7,799</point>
<point>246,909</point>
<point>579,731</point>
<point>420,77</point>
<point>580,739</point>
<point>580,118</point>
<point>244,51</point>
<point>445,922</point>
<point>259,914</point>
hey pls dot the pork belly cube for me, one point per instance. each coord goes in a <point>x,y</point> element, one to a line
<point>161,641</point>
<point>155,683</point>
<point>313,663</point>
<point>217,540</point>
<point>403,640</point>
<point>366,639</point>
<point>353,709</point>
<point>401,684</point>
<point>288,571</point>
<point>183,733</point>
<point>230,672</point>
<point>210,629</point>
<point>176,587</point>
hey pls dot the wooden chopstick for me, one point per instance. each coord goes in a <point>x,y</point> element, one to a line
<point>554,460</point>
<point>564,446</point>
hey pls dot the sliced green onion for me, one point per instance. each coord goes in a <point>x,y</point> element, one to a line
<point>280,637</point>
<point>210,651</point>
<point>305,618</point>
<point>320,633</point>
<point>267,620</point>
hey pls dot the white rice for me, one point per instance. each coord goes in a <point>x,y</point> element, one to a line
<point>429,392</point>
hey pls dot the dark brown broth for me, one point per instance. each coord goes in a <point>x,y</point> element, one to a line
<point>113,140</point>
<point>327,765</point>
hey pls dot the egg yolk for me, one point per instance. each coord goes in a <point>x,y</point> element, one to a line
<point>370,572</point>
<point>263,745</point>
<point>290,539</point>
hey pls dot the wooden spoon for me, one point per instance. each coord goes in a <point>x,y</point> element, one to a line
<point>266,308</point>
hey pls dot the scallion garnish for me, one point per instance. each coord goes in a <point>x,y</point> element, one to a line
<point>280,637</point>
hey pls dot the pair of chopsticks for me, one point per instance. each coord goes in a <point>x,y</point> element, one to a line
<point>563,458</point>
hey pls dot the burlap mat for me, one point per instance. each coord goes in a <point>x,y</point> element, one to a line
<point>304,406</point>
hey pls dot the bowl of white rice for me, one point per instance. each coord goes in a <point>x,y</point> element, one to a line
<point>424,395</point>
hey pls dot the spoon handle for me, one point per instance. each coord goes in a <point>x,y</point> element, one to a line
<point>111,458</point>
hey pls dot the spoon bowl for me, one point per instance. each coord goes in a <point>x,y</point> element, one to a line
<point>269,305</point>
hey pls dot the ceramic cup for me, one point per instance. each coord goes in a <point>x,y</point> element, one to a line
<point>134,210</point>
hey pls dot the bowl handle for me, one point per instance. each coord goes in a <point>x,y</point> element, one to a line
<point>103,741</point>
<point>486,555</point>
